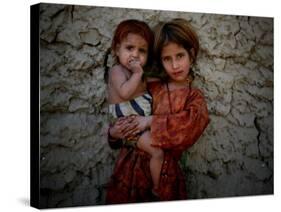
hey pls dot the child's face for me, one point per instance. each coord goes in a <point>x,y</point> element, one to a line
<point>176,62</point>
<point>132,48</point>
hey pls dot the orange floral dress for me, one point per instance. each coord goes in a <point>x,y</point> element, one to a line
<point>179,118</point>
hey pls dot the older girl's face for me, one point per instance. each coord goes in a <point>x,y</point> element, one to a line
<point>176,62</point>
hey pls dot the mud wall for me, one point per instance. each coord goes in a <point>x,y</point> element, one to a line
<point>233,157</point>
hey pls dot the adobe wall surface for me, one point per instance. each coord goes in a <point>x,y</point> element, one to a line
<point>234,69</point>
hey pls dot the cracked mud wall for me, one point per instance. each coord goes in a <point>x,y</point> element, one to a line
<point>234,156</point>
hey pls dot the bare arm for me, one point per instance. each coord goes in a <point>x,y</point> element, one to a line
<point>124,87</point>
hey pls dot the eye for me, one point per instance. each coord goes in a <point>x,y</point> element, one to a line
<point>166,59</point>
<point>180,55</point>
<point>143,51</point>
<point>130,48</point>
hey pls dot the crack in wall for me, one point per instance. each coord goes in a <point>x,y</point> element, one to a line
<point>257,126</point>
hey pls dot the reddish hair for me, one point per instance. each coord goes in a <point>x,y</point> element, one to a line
<point>136,27</point>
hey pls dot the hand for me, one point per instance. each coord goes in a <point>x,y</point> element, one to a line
<point>135,66</point>
<point>143,122</point>
<point>124,128</point>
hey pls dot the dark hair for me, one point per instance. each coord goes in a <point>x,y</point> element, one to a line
<point>177,31</point>
<point>135,27</point>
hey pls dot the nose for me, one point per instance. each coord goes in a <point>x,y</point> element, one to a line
<point>175,64</point>
<point>135,53</point>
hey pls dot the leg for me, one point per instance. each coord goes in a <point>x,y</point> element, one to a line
<point>157,156</point>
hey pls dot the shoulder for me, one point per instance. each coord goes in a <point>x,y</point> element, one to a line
<point>196,95</point>
<point>196,92</point>
<point>154,86</point>
<point>152,79</point>
<point>117,71</point>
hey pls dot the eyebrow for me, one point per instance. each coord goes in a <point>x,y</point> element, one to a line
<point>180,52</point>
<point>164,57</point>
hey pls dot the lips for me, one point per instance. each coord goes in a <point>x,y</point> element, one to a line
<point>177,73</point>
<point>134,60</point>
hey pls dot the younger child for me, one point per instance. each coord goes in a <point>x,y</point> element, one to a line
<point>132,44</point>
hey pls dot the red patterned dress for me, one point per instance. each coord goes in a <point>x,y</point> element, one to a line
<point>179,118</point>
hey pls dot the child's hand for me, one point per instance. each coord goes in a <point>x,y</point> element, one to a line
<point>124,128</point>
<point>135,66</point>
<point>143,122</point>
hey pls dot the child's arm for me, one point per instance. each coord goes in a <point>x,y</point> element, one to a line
<point>123,128</point>
<point>124,87</point>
